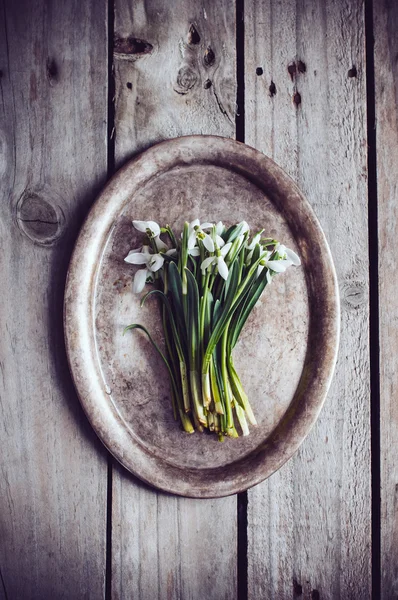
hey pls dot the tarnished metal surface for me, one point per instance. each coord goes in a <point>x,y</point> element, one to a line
<point>287,350</point>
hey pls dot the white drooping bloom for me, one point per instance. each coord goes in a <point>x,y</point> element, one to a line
<point>196,232</point>
<point>290,254</point>
<point>151,228</point>
<point>152,262</point>
<point>219,261</point>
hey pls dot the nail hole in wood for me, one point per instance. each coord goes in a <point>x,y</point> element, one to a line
<point>209,57</point>
<point>207,84</point>
<point>129,85</point>
<point>272,89</point>
<point>193,35</point>
<point>292,70</point>
<point>297,99</point>
<point>297,588</point>
<point>52,70</point>
<point>259,71</point>
<point>352,72</point>
<point>301,66</point>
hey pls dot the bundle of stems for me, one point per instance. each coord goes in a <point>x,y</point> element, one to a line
<point>208,283</point>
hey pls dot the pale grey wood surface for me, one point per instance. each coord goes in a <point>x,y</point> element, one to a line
<point>52,163</point>
<point>386,92</point>
<point>164,546</point>
<point>309,524</point>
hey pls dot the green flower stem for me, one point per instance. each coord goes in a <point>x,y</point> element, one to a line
<point>206,388</point>
<point>203,308</point>
<point>224,374</point>
<point>184,259</point>
<point>186,422</point>
<point>196,397</point>
<point>217,397</point>
<point>238,392</point>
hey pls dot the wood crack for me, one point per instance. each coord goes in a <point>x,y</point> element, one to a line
<point>221,107</point>
<point>3,585</point>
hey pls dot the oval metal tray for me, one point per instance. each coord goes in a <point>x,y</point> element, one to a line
<point>287,350</point>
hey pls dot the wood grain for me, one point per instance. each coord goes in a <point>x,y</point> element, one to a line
<point>309,524</point>
<point>52,162</point>
<point>386,96</point>
<point>168,83</point>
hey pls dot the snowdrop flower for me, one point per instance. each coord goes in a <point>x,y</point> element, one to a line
<point>152,262</point>
<point>218,260</point>
<point>290,255</point>
<point>196,232</point>
<point>151,228</point>
<point>280,265</point>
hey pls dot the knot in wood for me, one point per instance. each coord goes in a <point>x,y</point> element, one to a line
<point>193,35</point>
<point>131,47</point>
<point>209,57</point>
<point>39,218</point>
<point>186,79</point>
<point>354,294</point>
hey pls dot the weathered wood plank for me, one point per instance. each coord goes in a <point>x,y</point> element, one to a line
<point>309,524</point>
<point>52,162</point>
<point>172,79</point>
<point>386,93</point>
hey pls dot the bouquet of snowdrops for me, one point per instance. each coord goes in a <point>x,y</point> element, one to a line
<point>208,281</point>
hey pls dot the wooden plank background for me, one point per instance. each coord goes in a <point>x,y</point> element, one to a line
<point>53,162</point>
<point>386,93</point>
<point>84,86</point>
<point>309,525</point>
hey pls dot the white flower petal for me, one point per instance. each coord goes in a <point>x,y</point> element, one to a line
<point>193,224</point>
<point>220,241</point>
<point>156,262</point>
<point>225,249</point>
<point>279,266</point>
<point>269,276</point>
<point>206,225</point>
<point>219,228</point>
<point>291,255</point>
<point>194,251</point>
<point>207,262</point>
<point>192,240</point>
<point>144,226</point>
<point>208,243</point>
<point>139,281</point>
<point>222,267</point>
<point>160,245</point>
<point>173,252</point>
<point>260,270</point>
<point>245,226</point>
<point>138,258</point>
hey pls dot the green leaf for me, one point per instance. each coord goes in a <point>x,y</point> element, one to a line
<point>193,317</point>
<point>154,344</point>
<point>170,315</point>
<point>250,301</point>
<point>175,290</point>
<point>224,317</point>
